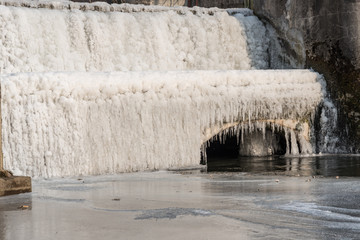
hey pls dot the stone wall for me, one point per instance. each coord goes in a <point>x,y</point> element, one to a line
<point>324,35</point>
<point>201,3</point>
<point>222,3</point>
<point>168,3</point>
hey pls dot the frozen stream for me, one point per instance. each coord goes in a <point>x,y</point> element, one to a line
<point>185,205</point>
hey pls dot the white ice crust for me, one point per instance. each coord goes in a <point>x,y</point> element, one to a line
<point>41,39</point>
<point>59,124</point>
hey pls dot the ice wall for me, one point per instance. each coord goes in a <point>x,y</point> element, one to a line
<point>125,38</point>
<point>58,124</point>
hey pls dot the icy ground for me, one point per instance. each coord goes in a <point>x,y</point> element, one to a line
<point>163,205</point>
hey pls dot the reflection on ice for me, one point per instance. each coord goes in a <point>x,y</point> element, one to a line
<point>312,165</point>
<point>345,218</point>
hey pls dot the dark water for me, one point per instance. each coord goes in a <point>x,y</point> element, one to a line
<point>318,165</point>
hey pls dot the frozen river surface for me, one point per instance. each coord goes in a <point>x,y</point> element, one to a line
<point>185,205</point>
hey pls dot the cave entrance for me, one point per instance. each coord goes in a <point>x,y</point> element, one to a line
<point>233,152</point>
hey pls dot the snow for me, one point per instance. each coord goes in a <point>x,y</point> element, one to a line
<point>78,123</point>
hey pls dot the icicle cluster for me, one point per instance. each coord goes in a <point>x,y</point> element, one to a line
<point>260,137</point>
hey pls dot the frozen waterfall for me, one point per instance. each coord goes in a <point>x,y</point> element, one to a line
<point>57,124</point>
<point>95,89</point>
<point>38,40</point>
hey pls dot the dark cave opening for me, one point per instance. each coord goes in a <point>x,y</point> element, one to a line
<point>229,153</point>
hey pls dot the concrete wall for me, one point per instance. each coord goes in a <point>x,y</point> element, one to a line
<point>324,35</point>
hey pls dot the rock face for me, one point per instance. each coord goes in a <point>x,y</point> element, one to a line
<point>324,35</point>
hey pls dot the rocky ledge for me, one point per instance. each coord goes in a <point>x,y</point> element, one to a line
<point>10,184</point>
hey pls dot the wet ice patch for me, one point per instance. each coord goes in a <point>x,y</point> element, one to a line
<point>334,217</point>
<point>73,188</point>
<point>58,199</point>
<point>172,213</point>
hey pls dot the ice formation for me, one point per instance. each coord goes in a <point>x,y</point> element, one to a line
<point>57,124</point>
<point>38,40</point>
<point>97,88</point>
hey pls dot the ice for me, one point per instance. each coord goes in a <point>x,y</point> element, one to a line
<point>257,41</point>
<point>340,216</point>
<point>60,124</point>
<point>97,89</point>
<point>126,38</point>
<point>328,137</point>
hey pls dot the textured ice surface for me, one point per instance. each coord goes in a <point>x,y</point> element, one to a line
<point>128,38</point>
<point>57,124</point>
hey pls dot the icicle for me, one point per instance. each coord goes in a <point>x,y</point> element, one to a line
<point>305,146</point>
<point>242,132</point>
<point>294,145</point>
<point>287,141</point>
<point>203,152</point>
<point>264,130</point>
